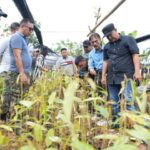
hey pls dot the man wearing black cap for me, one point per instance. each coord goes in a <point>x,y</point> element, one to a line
<point>121,59</point>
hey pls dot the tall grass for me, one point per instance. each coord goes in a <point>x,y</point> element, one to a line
<point>60,112</point>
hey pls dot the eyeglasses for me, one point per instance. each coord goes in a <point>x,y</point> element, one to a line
<point>85,46</point>
<point>30,28</point>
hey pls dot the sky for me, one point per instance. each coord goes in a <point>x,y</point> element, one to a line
<point>69,19</point>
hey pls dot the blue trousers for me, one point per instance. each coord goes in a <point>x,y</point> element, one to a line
<point>113,91</point>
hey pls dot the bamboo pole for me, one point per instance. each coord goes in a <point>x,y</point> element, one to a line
<point>110,13</point>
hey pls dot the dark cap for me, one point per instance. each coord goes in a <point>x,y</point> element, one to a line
<point>108,29</point>
<point>86,43</point>
<point>2,14</point>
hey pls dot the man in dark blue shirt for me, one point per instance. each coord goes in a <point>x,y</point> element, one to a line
<point>121,58</point>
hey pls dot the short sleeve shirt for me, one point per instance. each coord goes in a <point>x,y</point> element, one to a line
<point>66,65</point>
<point>119,56</point>
<point>18,41</point>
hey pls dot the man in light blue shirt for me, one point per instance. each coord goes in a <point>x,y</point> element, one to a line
<point>95,61</point>
<point>20,65</point>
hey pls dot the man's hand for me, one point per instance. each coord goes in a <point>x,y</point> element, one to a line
<point>92,72</point>
<point>24,79</point>
<point>137,76</point>
<point>103,80</point>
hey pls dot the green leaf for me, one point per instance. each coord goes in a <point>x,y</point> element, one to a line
<point>134,91</point>
<point>4,140</point>
<point>68,100</point>
<point>55,139</point>
<point>52,98</point>
<point>27,103</point>
<point>27,147</point>
<point>92,84</point>
<point>8,128</point>
<point>103,112</point>
<point>47,140</point>
<point>81,145</point>
<point>38,134</point>
<point>122,147</point>
<point>140,133</point>
<point>107,136</point>
<point>32,124</point>
<point>144,102</point>
<point>133,34</point>
<point>51,148</point>
<point>37,130</point>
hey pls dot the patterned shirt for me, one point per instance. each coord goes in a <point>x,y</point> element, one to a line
<point>66,65</point>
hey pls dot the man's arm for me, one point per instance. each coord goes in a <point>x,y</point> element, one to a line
<point>91,65</point>
<point>3,47</point>
<point>19,65</point>
<point>104,71</point>
<point>136,61</point>
<point>75,70</point>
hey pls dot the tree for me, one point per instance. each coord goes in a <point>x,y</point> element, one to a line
<point>4,31</point>
<point>32,39</point>
<point>74,48</point>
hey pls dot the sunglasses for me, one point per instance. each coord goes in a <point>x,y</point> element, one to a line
<point>30,28</point>
<point>85,46</point>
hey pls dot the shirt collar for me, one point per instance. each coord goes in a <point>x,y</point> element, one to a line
<point>21,34</point>
<point>95,51</point>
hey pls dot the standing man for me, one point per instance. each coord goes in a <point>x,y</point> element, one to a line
<point>66,64</point>
<point>4,49</point>
<point>95,61</point>
<point>121,58</point>
<point>87,48</point>
<point>20,65</point>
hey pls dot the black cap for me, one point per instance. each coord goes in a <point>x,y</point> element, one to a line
<point>108,29</point>
<point>2,14</point>
<point>86,43</point>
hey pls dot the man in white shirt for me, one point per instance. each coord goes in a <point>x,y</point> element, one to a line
<point>5,61</point>
<point>66,64</point>
<point>4,49</point>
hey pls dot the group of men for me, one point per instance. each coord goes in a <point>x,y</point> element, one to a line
<point>111,63</point>
<point>116,61</point>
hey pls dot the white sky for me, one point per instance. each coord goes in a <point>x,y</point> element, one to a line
<point>69,19</point>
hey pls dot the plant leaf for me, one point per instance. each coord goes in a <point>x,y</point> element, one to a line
<point>27,103</point>
<point>8,128</point>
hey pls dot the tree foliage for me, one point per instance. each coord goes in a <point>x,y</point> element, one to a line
<point>32,39</point>
<point>74,48</point>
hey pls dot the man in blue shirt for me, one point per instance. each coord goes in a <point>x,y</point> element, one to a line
<point>121,59</point>
<point>95,61</point>
<point>20,65</point>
